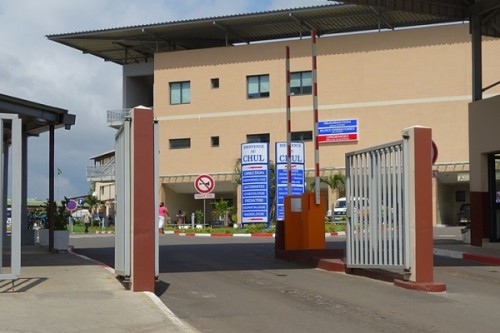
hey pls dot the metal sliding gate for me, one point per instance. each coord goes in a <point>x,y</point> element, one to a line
<point>377,207</point>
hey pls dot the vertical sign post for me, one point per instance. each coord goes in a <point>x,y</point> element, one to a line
<point>285,179</point>
<point>204,185</point>
<point>255,183</point>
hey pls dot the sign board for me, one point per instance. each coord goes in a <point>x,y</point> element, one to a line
<point>71,205</point>
<point>345,130</point>
<point>204,195</point>
<point>463,177</point>
<point>204,184</point>
<point>255,182</point>
<point>297,180</point>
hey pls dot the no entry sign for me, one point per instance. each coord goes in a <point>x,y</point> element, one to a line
<point>204,184</point>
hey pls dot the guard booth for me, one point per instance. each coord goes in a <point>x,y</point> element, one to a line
<point>136,236</point>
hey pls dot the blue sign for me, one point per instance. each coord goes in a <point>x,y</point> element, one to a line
<point>338,130</point>
<point>297,181</point>
<point>255,183</point>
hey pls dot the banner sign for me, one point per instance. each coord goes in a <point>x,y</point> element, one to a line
<point>338,131</point>
<point>255,182</point>
<point>281,175</point>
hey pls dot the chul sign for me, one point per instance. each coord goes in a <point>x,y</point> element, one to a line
<point>297,174</point>
<point>255,182</point>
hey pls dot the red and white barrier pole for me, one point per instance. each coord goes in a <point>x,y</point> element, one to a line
<point>288,125</point>
<point>315,111</point>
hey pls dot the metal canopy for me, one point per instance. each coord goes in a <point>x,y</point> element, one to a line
<point>456,10</point>
<point>36,117</point>
<point>138,44</point>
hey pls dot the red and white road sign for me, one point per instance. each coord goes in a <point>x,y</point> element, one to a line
<point>204,184</point>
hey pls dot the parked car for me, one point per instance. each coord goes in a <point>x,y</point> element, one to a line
<point>9,220</point>
<point>359,207</point>
<point>463,214</point>
<point>339,210</point>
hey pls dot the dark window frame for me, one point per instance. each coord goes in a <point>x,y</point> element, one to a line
<point>261,137</point>
<point>180,143</point>
<point>301,89</point>
<point>215,141</point>
<point>302,136</point>
<point>214,83</point>
<point>181,85</point>
<point>261,93</point>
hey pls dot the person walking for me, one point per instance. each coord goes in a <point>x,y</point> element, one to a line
<point>162,214</point>
<point>87,219</point>
<point>181,218</point>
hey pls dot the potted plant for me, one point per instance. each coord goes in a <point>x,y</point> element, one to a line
<point>198,217</point>
<point>61,232</point>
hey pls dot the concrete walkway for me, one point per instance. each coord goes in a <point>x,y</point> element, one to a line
<point>65,292</point>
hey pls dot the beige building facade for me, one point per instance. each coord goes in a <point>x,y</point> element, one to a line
<point>206,104</point>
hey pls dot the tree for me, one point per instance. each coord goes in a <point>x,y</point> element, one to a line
<point>336,182</point>
<point>92,201</point>
<point>220,209</point>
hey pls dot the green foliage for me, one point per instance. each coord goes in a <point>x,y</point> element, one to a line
<point>92,201</point>
<point>251,228</point>
<point>220,209</point>
<point>59,212</point>
<point>237,172</point>
<point>334,227</point>
<point>198,216</point>
<point>336,182</point>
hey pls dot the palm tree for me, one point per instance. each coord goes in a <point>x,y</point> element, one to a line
<point>336,182</point>
<point>92,201</point>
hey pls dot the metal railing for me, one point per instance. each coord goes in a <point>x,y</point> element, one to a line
<point>103,172</point>
<point>115,118</point>
<point>376,197</point>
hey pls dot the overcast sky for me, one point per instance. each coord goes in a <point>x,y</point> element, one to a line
<point>42,71</point>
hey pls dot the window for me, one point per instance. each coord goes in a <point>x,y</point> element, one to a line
<point>258,86</point>
<point>301,83</point>
<point>302,136</point>
<point>215,141</point>
<point>180,92</point>
<point>258,138</point>
<point>214,83</point>
<point>180,143</point>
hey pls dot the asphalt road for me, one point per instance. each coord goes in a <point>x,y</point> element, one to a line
<point>236,285</point>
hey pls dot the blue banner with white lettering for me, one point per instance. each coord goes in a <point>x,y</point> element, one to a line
<point>297,180</point>
<point>255,183</point>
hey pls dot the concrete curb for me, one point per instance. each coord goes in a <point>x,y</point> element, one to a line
<point>257,235</point>
<point>467,256</point>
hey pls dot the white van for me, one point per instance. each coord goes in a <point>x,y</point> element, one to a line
<point>360,207</point>
<point>339,210</point>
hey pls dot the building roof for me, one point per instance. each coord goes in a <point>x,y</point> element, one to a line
<point>36,117</point>
<point>138,44</point>
<point>103,155</point>
<point>456,10</point>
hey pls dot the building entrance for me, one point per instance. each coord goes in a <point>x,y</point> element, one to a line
<point>494,190</point>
